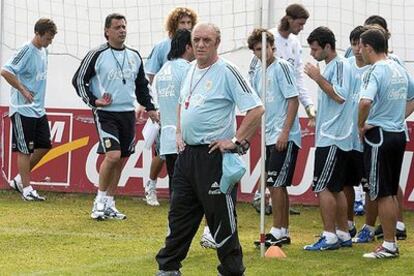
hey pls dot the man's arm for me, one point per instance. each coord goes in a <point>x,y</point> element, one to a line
<point>314,73</point>
<point>363,110</point>
<point>14,82</point>
<point>179,138</point>
<point>143,94</point>
<point>409,108</point>
<point>292,109</point>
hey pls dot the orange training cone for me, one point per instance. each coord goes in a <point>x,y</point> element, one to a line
<point>275,252</point>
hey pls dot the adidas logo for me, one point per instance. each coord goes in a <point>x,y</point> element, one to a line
<point>270,179</point>
<point>214,189</point>
<point>215,185</point>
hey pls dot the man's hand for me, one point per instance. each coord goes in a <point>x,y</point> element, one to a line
<point>104,101</point>
<point>139,114</point>
<point>282,141</point>
<point>27,95</point>
<point>312,71</point>
<point>311,112</point>
<point>222,145</point>
<point>153,114</point>
<point>180,141</point>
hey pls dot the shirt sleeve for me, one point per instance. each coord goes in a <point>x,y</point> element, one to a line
<point>304,97</point>
<point>286,80</point>
<point>241,92</point>
<point>142,91</point>
<point>17,63</point>
<point>410,90</point>
<point>340,79</point>
<point>154,61</point>
<point>369,85</point>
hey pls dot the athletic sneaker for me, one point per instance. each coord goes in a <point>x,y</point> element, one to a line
<point>112,212</point>
<point>382,252</point>
<point>359,209</point>
<point>256,206</point>
<point>33,196</point>
<point>168,273</point>
<point>353,231</point>
<point>345,243</point>
<point>293,212</point>
<point>98,209</point>
<point>364,236</point>
<point>322,245</point>
<point>16,186</point>
<point>207,241</point>
<point>151,195</point>
<point>399,234</point>
<point>271,240</point>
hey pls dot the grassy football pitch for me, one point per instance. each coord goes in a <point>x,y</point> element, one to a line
<point>57,237</point>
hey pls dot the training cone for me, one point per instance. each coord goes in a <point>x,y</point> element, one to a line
<point>275,252</point>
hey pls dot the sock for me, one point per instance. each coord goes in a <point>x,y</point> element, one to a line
<point>27,190</point>
<point>18,179</point>
<point>400,225</point>
<point>369,227</point>
<point>392,246</point>
<point>344,236</point>
<point>285,232</point>
<point>351,224</point>
<point>151,184</point>
<point>257,195</point>
<point>358,193</point>
<point>330,237</point>
<point>110,201</point>
<point>270,202</point>
<point>276,232</point>
<point>100,195</point>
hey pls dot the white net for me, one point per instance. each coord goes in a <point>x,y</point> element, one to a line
<point>343,15</point>
<point>80,22</point>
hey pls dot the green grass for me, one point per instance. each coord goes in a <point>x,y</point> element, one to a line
<point>57,237</point>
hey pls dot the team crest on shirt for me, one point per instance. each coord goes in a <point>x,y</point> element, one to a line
<point>108,143</point>
<point>31,145</point>
<point>209,85</point>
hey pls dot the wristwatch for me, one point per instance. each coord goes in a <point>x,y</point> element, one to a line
<point>235,141</point>
<point>241,147</point>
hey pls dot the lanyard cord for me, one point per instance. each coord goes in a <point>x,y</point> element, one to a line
<point>119,65</point>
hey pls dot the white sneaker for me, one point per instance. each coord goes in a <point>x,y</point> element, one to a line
<point>207,241</point>
<point>33,196</point>
<point>151,195</point>
<point>98,209</point>
<point>16,186</point>
<point>112,212</point>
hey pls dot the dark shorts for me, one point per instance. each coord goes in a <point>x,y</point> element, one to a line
<point>383,156</point>
<point>116,131</point>
<point>280,165</point>
<point>354,168</point>
<point>330,169</point>
<point>30,133</point>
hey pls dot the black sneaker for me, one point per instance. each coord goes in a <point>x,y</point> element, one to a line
<point>399,234</point>
<point>270,240</point>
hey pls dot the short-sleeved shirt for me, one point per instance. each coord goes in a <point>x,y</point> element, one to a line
<point>167,85</point>
<point>29,65</point>
<point>333,124</point>
<point>389,86</point>
<point>355,86</point>
<point>158,57</point>
<point>281,85</point>
<point>208,111</point>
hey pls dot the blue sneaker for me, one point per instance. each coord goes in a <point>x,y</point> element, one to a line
<point>321,245</point>
<point>359,209</point>
<point>364,236</point>
<point>345,243</point>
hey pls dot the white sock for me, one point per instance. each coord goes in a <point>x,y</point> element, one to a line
<point>351,224</point>
<point>110,201</point>
<point>276,232</point>
<point>369,227</point>
<point>400,225</point>
<point>100,195</point>
<point>150,184</point>
<point>18,179</point>
<point>358,193</point>
<point>342,235</point>
<point>392,246</point>
<point>27,190</point>
<point>330,237</point>
<point>285,232</point>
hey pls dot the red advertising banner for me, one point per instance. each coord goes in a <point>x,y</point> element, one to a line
<point>72,164</point>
